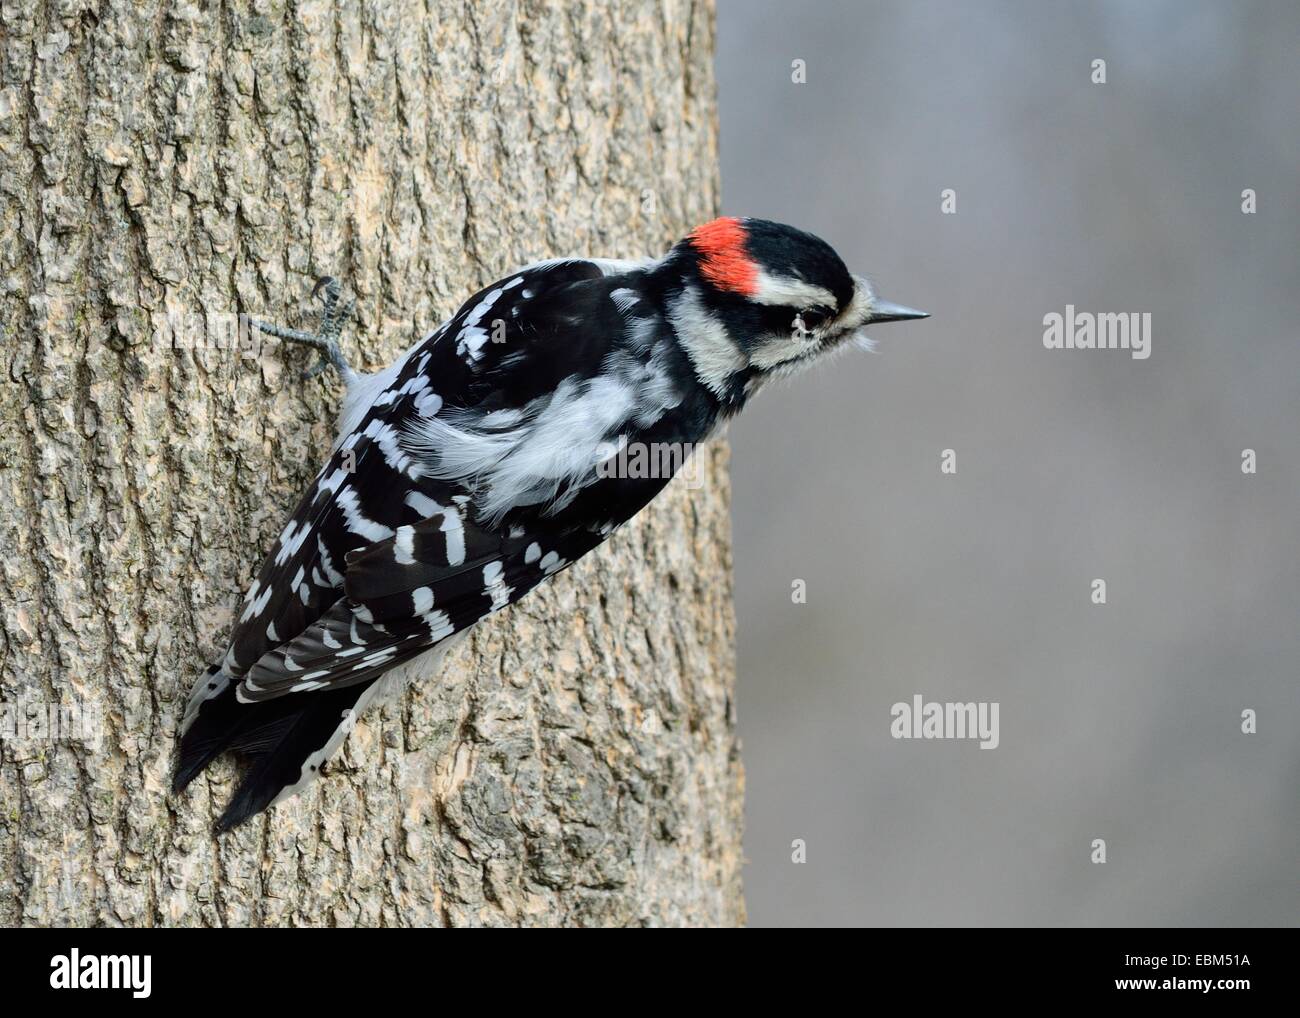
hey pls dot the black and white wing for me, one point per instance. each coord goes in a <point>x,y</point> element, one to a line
<point>463,476</point>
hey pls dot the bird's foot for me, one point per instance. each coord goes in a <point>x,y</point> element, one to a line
<point>326,338</point>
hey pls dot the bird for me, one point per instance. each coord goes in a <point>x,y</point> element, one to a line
<point>478,465</point>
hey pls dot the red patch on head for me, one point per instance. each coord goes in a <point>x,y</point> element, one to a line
<point>723,259</point>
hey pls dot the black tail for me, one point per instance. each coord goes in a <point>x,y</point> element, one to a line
<point>278,736</point>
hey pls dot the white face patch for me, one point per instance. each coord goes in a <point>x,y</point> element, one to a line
<point>859,309</point>
<point>712,352</point>
<point>782,349</point>
<point>790,292</point>
<point>782,354</point>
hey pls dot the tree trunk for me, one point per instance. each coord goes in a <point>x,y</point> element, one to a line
<point>170,166</point>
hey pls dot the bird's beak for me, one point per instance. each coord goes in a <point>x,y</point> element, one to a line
<point>887,311</point>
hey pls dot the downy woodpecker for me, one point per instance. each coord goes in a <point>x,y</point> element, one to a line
<point>472,469</point>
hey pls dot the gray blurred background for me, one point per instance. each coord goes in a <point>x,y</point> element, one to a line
<point>1119,721</point>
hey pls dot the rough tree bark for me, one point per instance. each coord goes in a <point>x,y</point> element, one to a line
<point>167,166</point>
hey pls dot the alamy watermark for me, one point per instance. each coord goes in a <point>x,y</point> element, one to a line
<point>934,720</point>
<point>651,461</point>
<point>77,971</point>
<point>1109,330</point>
<point>26,723</point>
<point>215,330</point>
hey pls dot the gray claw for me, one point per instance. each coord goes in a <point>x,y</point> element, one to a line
<point>332,320</point>
<point>323,282</point>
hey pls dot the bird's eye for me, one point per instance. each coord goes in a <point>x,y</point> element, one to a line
<point>809,320</point>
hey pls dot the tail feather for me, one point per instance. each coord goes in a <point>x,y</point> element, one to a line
<point>296,748</point>
<point>209,731</point>
<point>288,741</point>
